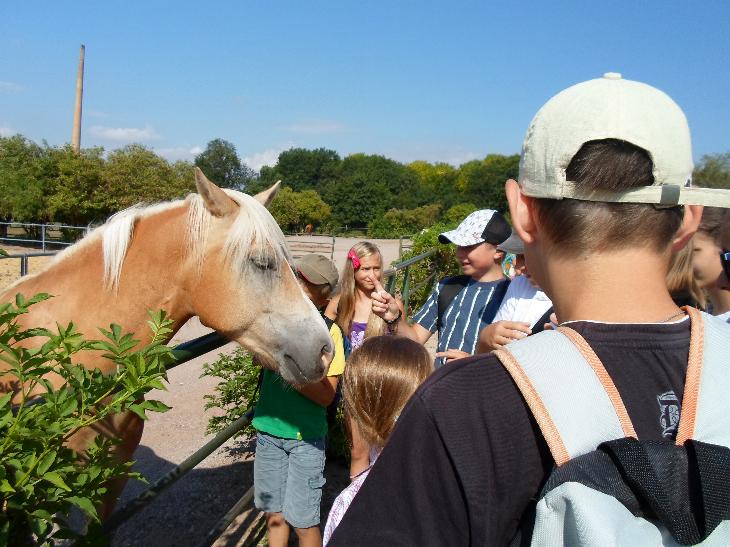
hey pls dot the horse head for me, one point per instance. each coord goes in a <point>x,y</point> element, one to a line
<point>245,287</point>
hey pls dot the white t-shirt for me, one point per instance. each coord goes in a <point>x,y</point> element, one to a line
<point>523,302</point>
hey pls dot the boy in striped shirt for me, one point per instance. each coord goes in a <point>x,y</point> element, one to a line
<point>478,293</point>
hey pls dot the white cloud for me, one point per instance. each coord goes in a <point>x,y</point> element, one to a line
<point>124,134</point>
<point>179,152</point>
<point>7,132</point>
<point>316,127</point>
<point>10,87</point>
<point>267,157</point>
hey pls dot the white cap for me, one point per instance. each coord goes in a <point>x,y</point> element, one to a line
<point>613,108</point>
<point>485,225</point>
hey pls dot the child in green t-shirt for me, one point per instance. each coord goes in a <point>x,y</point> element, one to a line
<point>292,425</point>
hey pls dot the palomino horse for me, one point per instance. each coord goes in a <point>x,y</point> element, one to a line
<point>218,254</point>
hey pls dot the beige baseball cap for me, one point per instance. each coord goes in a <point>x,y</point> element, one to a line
<point>613,108</point>
<point>317,270</point>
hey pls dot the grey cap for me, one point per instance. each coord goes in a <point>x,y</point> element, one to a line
<point>513,244</point>
<point>317,270</point>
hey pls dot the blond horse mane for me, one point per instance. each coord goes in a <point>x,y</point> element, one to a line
<point>253,237</point>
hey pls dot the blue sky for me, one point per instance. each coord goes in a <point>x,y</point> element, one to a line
<point>438,81</point>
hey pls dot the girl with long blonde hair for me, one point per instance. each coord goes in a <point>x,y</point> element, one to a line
<point>351,309</point>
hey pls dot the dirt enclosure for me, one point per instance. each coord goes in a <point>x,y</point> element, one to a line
<point>183,515</point>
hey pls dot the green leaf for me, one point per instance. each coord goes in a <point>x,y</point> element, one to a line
<point>55,479</point>
<point>85,505</point>
<point>156,406</point>
<point>138,409</point>
<point>5,486</point>
<point>45,463</point>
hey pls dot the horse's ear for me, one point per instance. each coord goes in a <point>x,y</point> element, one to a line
<point>267,196</point>
<point>215,199</point>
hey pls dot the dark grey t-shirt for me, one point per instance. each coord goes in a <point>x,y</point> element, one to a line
<point>466,459</point>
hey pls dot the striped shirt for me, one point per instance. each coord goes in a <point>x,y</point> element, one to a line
<point>465,316</point>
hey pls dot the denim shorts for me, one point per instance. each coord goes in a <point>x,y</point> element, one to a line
<point>288,478</point>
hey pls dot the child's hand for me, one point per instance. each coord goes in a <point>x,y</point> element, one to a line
<point>498,334</point>
<point>384,305</point>
<point>451,354</point>
<point>553,324</point>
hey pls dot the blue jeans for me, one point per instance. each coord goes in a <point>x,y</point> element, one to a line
<point>288,478</point>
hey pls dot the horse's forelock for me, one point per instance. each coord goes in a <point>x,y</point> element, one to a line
<point>254,235</point>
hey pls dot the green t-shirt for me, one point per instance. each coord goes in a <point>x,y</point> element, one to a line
<point>284,412</point>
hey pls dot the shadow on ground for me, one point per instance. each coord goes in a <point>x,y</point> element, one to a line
<point>185,513</point>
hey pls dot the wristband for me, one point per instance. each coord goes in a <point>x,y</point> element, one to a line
<point>395,319</point>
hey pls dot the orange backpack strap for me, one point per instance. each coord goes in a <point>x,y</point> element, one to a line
<point>706,401</point>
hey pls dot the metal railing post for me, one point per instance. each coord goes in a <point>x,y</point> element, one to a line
<point>23,265</point>
<point>172,476</point>
<point>43,237</point>
<point>223,524</point>
<point>406,290</point>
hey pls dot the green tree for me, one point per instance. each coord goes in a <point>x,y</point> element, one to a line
<point>482,181</point>
<point>26,170</point>
<point>74,193</point>
<point>403,222</point>
<point>294,210</point>
<point>438,182</point>
<point>135,174</point>
<point>456,213</point>
<point>303,169</point>
<point>221,164</point>
<point>367,186</point>
<point>713,171</point>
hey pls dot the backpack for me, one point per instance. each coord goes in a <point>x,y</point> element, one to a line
<point>453,286</point>
<point>607,487</point>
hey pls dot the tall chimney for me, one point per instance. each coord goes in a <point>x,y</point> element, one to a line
<point>76,135</point>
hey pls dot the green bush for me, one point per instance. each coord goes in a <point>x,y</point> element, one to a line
<point>426,273</point>
<point>41,478</point>
<point>237,391</point>
<point>400,222</point>
<point>455,214</point>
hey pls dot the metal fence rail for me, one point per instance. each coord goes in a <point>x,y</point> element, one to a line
<point>24,260</point>
<point>40,234</point>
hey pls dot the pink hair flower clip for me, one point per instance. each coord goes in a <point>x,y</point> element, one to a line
<point>352,255</point>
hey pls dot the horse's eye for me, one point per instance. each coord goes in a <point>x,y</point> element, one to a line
<point>264,263</point>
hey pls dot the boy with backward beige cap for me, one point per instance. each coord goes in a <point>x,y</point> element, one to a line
<point>602,200</point>
<point>291,424</point>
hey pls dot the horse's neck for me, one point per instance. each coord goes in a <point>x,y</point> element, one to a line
<point>153,277</point>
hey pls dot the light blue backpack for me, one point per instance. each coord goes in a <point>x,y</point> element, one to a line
<point>608,488</point>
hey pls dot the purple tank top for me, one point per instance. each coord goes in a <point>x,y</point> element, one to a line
<point>357,334</point>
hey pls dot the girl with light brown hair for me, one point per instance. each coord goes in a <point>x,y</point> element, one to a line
<point>681,282</point>
<point>379,379</point>
<point>351,308</point>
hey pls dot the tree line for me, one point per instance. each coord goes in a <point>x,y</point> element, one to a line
<point>43,183</point>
